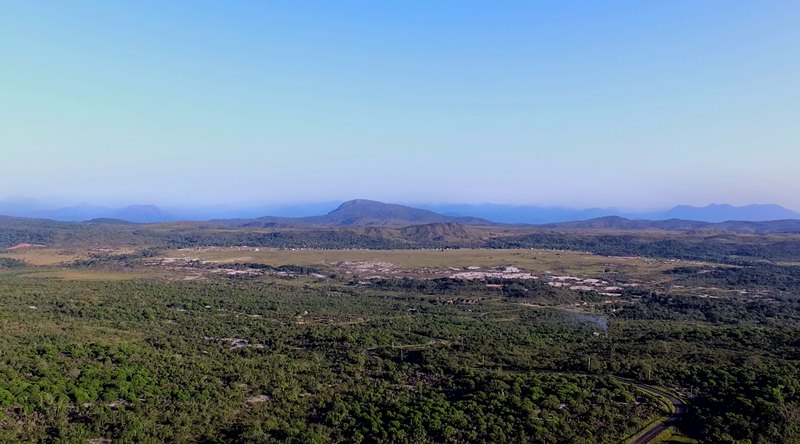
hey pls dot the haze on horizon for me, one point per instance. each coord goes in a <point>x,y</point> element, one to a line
<point>620,104</point>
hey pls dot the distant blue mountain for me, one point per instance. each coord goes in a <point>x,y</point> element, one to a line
<point>151,213</point>
<point>84,211</point>
<point>507,214</point>
<point>252,212</point>
<point>725,212</point>
<point>512,214</point>
<point>80,212</point>
<point>546,215</point>
<point>300,210</point>
<point>142,214</point>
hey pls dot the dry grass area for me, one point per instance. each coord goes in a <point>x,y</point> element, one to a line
<point>92,275</point>
<point>45,256</point>
<point>546,262</point>
<point>399,263</point>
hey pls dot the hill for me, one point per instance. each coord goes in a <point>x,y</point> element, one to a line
<point>359,213</point>
<point>621,223</point>
<point>437,232</point>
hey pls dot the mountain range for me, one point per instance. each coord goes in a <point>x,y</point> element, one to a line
<point>511,214</point>
<point>83,212</point>
<point>426,223</point>
<point>621,223</point>
<point>365,212</point>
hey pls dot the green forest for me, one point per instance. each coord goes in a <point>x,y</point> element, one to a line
<point>288,360</point>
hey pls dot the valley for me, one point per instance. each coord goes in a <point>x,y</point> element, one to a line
<point>337,222</point>
<point>437,332</point>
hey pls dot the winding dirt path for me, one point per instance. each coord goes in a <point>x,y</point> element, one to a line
<point>679,409</point>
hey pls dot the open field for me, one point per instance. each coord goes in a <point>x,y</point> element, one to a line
<point>90,275</point>
<point>561,268</point>
<point>45,256</point>
<point>534,261</point>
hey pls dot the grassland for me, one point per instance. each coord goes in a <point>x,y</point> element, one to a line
<point>45,256</point>
<point>535,261</point>
<point>90,274</point>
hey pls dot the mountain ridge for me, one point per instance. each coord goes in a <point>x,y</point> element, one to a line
<point>418,224</point>
<point>727,212</point>
<point>370,212</point>
<point>538,215</point>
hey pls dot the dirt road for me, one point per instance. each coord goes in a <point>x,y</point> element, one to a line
<point>659,427</point>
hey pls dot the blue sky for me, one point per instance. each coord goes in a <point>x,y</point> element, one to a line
<point>630,104</point>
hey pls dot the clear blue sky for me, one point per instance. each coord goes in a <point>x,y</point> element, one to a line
<point>629,104</point>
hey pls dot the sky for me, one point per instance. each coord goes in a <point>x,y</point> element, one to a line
<point>632,104</point>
